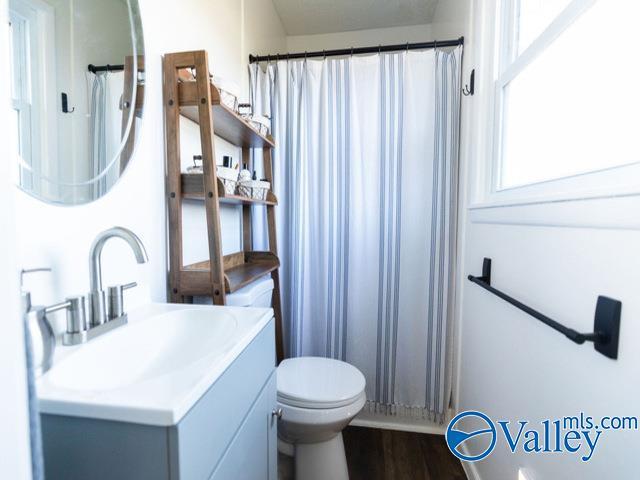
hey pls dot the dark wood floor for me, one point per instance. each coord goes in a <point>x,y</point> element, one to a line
<point>374,454</point>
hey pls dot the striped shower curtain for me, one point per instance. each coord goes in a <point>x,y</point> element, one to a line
<point>98,132</point>
<point>365,170</point>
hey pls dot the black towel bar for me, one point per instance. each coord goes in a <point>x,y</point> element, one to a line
<point>606,328</point>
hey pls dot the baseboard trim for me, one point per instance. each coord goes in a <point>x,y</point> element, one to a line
<point>372,420</point>
<point>470,468</point>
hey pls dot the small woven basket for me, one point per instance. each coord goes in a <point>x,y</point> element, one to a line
<point>229,177</point>
<point>256,189</point>
<point>229,99</point>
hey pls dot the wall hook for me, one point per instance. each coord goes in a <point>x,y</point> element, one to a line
<point>471,87</point>
<point>65,104</point>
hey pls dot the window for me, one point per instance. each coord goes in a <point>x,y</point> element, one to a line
<point>566,100</point>
<point>20,82</point>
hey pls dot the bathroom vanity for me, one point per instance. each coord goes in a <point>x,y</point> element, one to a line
<point>180,392</point>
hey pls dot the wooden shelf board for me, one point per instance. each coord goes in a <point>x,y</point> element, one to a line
<point>243,275</point>
<point>193,189</point>
<point>227,124</point>
<point>257,265</point>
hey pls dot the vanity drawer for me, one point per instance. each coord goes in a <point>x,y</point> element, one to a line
<point>201,439</point>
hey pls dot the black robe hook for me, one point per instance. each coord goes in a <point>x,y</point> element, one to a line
<point>471,87</point>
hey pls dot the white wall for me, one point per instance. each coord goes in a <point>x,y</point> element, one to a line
<point>513,367</point>
<point>14,437</point>
<point>60,236</point>
<point>449,22</point>
<point>450,19</point>
<point>359,38</point>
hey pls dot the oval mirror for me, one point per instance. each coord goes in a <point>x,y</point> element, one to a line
<point>77,91</point>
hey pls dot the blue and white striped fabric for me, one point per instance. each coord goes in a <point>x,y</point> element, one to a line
<point>365,170</point>
<point>97,132</point>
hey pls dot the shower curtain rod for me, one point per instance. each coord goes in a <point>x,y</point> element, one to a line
<point>358,50</point>
<point>105,68</point>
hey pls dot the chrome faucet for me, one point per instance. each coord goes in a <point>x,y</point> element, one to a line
<point>99,311</point>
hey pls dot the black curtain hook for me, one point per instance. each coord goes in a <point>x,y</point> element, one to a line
<point>407,46</point>
<point>379,49</point>
<point>471,87</point>
<point>324,52</point>
<point>435,44</point>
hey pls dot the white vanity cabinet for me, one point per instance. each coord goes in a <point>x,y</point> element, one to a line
<point>229,433</point>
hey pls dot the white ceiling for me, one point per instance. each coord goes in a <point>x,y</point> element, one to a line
<point>306,17</point>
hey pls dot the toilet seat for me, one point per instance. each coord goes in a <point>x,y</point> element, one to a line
<point>319,383</point>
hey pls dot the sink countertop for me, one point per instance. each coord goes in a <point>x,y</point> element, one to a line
<point>148,373</point>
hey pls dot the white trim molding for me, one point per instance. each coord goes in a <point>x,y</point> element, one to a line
<point>470,468</point>
<point>403,424</point>
<point>605,198</point>
<point>612,212</point>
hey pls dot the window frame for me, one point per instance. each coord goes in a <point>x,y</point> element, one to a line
<point>498,34</point>
<point>43,111</point>
<point>21,91</point>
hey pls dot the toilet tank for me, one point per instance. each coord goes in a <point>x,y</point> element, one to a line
<point>256,294</point>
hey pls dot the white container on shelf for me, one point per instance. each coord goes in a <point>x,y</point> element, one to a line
<point>261,124</point>
<point>228,92</point>
<point>229,177</point>
<point>256,189</point>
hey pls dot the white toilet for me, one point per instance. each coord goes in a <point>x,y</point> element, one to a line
<point>318,398</point>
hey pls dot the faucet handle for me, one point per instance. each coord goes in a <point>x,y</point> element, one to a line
<point>76,314</point>
<point>115,305</point>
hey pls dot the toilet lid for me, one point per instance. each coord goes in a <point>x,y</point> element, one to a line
<point>315,382</point>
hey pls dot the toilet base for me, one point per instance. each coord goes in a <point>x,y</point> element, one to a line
<point>322,460</point>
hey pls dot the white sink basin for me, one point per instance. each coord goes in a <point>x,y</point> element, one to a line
<point>153,369</point>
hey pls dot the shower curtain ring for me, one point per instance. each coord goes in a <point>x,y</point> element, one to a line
<point>379,49</point>
<point>435,44</point>
<point>352,50</point>
<point>407,46</point>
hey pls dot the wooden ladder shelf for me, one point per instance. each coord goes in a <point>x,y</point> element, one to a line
<point>199,100</point>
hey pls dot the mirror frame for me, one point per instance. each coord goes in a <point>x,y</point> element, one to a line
<point>74,194</point>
